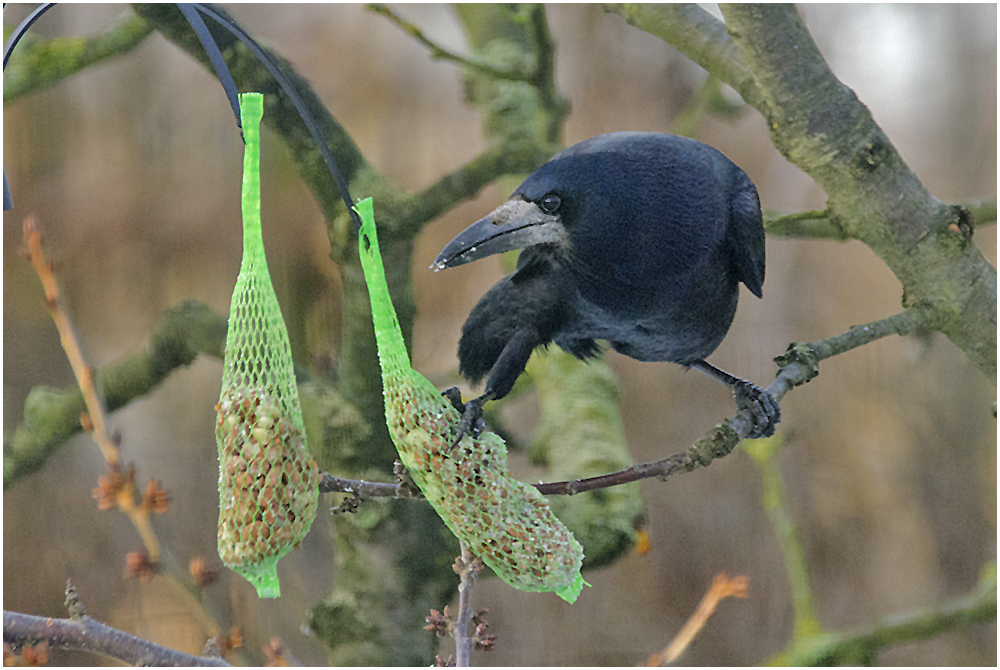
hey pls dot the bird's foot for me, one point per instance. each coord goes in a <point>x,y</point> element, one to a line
<point>454,398</point>
<point>472,415</point>
<point>762,405</point>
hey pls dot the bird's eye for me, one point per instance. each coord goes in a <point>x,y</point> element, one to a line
<point>550,203</point>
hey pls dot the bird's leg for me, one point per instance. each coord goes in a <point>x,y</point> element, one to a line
<point>765,409</point>
<point>454,397</point>
<point>472,413</point>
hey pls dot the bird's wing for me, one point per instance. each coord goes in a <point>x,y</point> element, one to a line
<point>746,234</point>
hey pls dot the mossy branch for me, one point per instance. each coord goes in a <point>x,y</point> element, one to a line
<point>465,182</point>
<point>798,365</point>
<point>861,645</point>
<point>38,63</point>
<point>52,416</point>
<point>764,454</point>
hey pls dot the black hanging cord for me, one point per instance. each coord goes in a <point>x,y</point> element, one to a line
<point>15,37</point>
<point>214,55</point>
<point>191,13</point>
<point>293,95</point>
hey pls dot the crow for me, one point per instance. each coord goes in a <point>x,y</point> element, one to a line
<point>639,239</point>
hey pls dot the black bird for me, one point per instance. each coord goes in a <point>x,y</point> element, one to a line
<point>640,239</point>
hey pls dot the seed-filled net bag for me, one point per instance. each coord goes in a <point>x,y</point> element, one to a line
<point>500,519</point>
<point>268,481</point>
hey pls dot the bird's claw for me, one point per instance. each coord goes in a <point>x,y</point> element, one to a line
<point>761,404</point>
<point>472,415</point>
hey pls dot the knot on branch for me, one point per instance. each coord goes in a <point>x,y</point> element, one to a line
<point>874,151</point>
<point>76,609</point>
<point>717,443</point>
<point>802,355</point>
<point>961,223</point>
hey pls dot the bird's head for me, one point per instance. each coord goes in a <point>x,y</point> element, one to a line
<point>544,208</point>
<point>571,201</point>
<point>520,222</point>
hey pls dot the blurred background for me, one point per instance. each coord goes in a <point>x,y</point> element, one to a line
<point>134,166</point>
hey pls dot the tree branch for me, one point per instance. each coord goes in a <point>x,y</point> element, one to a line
<point>764,454</point>
<point>699,36</point>
<point>798,365</point>
<point>52,416</point>
<point>439,52</point>
<point>983,210</point>
<point>86,634</point>
<point>42,63</point>
<point>816,225</point>
<point>468,180</point>
<point>861,645</point>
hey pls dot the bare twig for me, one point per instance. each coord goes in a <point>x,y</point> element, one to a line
<point>723,586</point>
<point>82,372</point>
<point>467,567</point>
<point>92,636</point>
<point>798,365</point>
<point>439,52</point>
<point>359,487</point>
<point>117,487</point>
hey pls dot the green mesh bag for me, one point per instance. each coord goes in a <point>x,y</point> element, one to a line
<point>502,520</point>
<point>268,481</point>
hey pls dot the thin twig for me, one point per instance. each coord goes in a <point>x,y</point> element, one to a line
<point>118,486</point>
<point>82,372</point>
<point>798,365</point>
<point>723,586</point>
<point>468,571</point>
<point>437,51</point>
<point>86,634</point>
<point>359,487</point>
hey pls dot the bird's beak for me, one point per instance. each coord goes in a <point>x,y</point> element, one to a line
<point>513,225</point>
